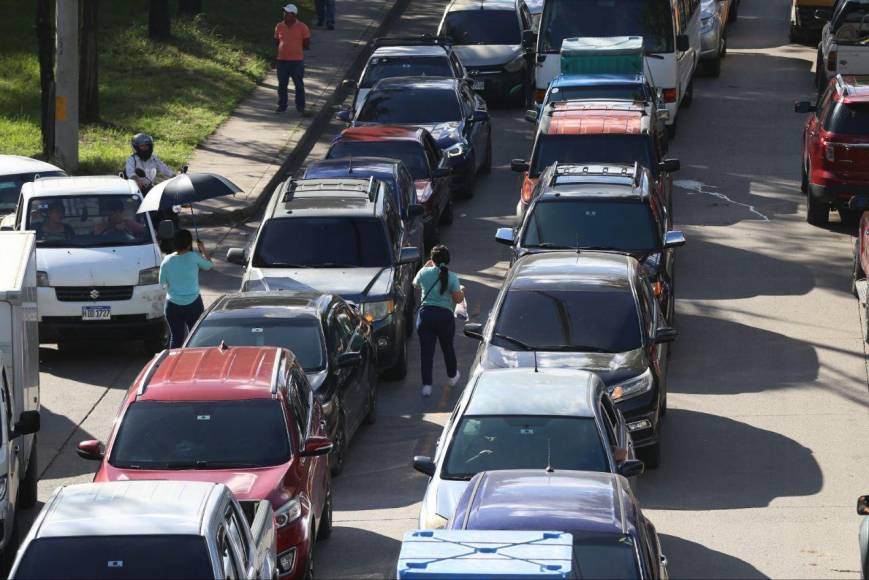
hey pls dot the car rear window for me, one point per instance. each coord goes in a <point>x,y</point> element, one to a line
<point>466,27</point>
<point>620,91</point>
<point>848,119</point>
<point>602,148</point>
<point>411,105</point>
<point>605,557</point>
<point>408,152</point>
<point>387,67</point>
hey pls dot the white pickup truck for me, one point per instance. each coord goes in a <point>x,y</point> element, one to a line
<point>844,46</point>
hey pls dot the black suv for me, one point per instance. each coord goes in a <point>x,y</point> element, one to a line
<point>344,237</point>
<point>332,342</point>
<point>602,207</point>
<point>592,311</point>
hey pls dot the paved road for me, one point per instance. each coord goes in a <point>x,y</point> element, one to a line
<point>765,443</point>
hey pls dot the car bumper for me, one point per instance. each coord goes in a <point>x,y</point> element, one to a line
<point>642,417</point>
<point>838,193</point>
<point>295,540</point>
<point>387,340</point>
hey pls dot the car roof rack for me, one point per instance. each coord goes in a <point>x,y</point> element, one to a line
<point>149,373</point>
<point>421,40</point>
<point>294,185</point>
<point>634,172</point>
<point>638,106</point>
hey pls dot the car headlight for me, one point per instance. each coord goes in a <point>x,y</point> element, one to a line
<point>432,521</point>
<point>515,65</point>
<point>457,150</point>
<point>42,278</point>
<point>372,311</point>
<point>634,386</point>
<point>149,276</point>
<point>288,513</point>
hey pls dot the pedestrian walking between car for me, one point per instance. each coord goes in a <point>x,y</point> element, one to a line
<point>325,13</point>
<point>179,275</point>
<point>292,39</point>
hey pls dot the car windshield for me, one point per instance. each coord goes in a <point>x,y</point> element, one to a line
<point>323,243</point>
<point>486,443</point>
<point>126,557</point>
<point>411,105</point>
<point>603,557</point>
<point>10,188</point>
<point>408,152</point>
<point>600,318</point>
<point>610,224</point>
<point>850,119</point>
<point>651,19</point>
<point>601,148</point>
<point>387,67</point>
<point>87,221</point>
<point>300,335</point>
<point>202,435</point>
<point>594,92</point>
<point>482,27</point>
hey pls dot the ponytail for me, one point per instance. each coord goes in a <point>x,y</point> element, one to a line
<point>444,278</point>
<point>440,255</point>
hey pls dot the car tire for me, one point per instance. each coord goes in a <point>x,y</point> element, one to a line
<point>399,369</point>
<point>857,272</point>
<point>849,217</point>
<point>713,68</point>
<point>371,415</point>
<point>689,95</point>
<point>339,446</point>
<point>447,215</point>
<point>650,455</point>
<point>28,492</point>
<point>486,169</point>
<point>324,532</point>
<point>804,181</point>
<point>817,212</point>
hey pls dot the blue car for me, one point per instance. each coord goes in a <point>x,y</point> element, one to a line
<point>611,537</point>
<point>392,172</point>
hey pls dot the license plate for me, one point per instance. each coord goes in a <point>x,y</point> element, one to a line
<point>96,312</point>
<point>479,85</point>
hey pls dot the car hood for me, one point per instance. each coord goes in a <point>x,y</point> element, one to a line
<point>353,284</point>
<point>611,367</point>
<point>447,494</point>
<point>487,55</point>
<point>118,266</point>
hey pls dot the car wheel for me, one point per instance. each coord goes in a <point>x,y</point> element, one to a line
<point>713,68</point>
<point>27,494</point>
<point>849,217</point>
<point>817,212</point>
<point>371,415</point>
<point>689,95</point>
<point>804,182</point>
<point>399,369</point>
<point>857,272</point>
<point>447,215</point>
<point>339,446</point>
<point>486,169</point>
<point>324,532</point>
<point>650,455</point>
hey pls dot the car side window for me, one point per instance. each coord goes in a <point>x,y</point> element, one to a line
<point>457,65</point>
<point>647,307</point>
<point>610,411</point>
<point>405,184</point>
<point>608,428</point>
<point>393,224</point>
<point>300,396</point>
<point>431,152</point>
<point>7,400</point>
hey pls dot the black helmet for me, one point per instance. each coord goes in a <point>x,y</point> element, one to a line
<point>143,145</point>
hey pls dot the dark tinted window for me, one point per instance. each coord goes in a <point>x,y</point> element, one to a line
<point>10,188</point>
<point>323,243</point>
<point>606,557</point>
<point>620,91</point>
<point>852,119</point>
<point>201,435</point>
<point>300,335</point>
<point>594,319</point>
<point>482,27</point>
<point>117,557</point>
<point>605,148</point>
<point>388,67</point>
<point>651,19</point>
<point>410,153</point>
<point>626,226</point>
<point>491,442</point>
<point>411,106</point>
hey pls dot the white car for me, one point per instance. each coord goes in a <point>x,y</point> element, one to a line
<point>843,48</point>
<point>525,419</point>
<point>98,261</point>
<point>15,171</point>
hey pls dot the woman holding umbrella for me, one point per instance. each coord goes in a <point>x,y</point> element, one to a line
<point>179,275</point>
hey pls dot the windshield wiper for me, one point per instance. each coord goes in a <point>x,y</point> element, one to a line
<point>332,265</point>
<point>513,341</point>
<point>201,464</point>
<point>282,265</point>
<point>551,246</point>
<point>572,348</point>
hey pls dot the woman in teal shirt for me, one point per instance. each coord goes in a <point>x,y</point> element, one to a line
<point>179,275</point>
<point>441,291</point>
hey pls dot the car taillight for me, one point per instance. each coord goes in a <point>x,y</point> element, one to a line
<point>539,95</point>
<point>829,152</point>
<point>670,95</point>
<point>831,60</point>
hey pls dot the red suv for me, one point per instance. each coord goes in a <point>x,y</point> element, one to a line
<point>244,417</point>
<point>835,163</point>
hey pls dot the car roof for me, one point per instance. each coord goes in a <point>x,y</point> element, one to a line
<point>410,50</point>
<point>331,197</point>
<point>99,185</point>
<point>129,508</point>
<point>217,373</point>
<point>598,181</point>
<point>402,83</point>
<point>272,304</point>
<point>571,270</point>
<point>853,88</point>
<point>594,118</point>
<point>346,166</point>
<point>592,80</point>
<point>569,501</point>
<point>527,391</point>
<point>382,133</point>
<point>457,5</point>
<point>14,164</point>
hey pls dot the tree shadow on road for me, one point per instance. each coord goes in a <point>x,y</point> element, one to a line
<point>692,560</point>
<point>356,553</point>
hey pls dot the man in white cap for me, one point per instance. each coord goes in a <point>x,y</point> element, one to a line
<point>292,39</point>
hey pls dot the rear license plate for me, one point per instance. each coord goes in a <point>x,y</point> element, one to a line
<point>96,312</point>
<point>479,85</point>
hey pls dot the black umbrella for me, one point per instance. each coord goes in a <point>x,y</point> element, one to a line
<point>185,189</point>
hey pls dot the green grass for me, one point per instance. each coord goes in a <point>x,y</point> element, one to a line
<point>179,91</point>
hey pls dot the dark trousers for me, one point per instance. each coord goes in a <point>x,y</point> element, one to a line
<point>436,324</point>
<point>291,69</point>
<point>181,319</point>
<point>325,12</point>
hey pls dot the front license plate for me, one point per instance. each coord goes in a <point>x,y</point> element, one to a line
<point>96,312</point>
<point>479,85</point>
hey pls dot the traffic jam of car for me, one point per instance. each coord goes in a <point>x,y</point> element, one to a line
<point>240,431</point>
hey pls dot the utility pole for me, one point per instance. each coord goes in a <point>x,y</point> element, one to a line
<point>66,99</point>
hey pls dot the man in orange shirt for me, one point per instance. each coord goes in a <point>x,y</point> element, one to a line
<point>292,39</point>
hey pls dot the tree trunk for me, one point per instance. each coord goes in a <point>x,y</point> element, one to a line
<point>88,76</point>
<point>159,20</point>
<point>189,7</point>
<point>45,34</point>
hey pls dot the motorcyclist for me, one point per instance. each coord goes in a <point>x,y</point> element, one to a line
<point>143,166</point>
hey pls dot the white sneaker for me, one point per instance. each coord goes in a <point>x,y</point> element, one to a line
<point>426,390</point>
<point>453,381</point>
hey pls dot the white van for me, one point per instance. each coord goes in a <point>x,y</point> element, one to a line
<point>98,260</point>
<point>670,31</point>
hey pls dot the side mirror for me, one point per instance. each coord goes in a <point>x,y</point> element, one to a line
<point>92,450</point>
<point>409,255</point>
<point>474,330</point>
<point>674,239</point>
<point>858,202</point>
<point>529,39</point>
<point>414,211</point>
<point>863,505</point>
<point>505,236</point>
<point>631,468</point>
<point>441,172</point>
<point>236,256</point>
<point>683,43</point>
<point>345,116</point>
<point>316,446</point>
<point>519,165</point>
<point>804,107</point>
<point>348,84</point>
<point>531,115</point>
<point>27,425</point>
<point>665,334</point>
<point>166,230</point>
<point>424,464</point>
<point>670,165</point>
<point>349,359</point>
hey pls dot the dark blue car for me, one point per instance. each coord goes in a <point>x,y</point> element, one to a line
<point>392,172</point>
<point>611,537</point>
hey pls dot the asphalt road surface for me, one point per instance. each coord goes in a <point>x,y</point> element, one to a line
<point>764,448</point>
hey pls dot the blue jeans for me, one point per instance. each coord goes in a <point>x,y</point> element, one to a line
<point>325,12</point>
<point>181,319</point>
<point>291,69</point>
<point>436,324</point>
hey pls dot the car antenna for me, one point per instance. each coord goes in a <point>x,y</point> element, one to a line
<point>549,468</point>
<point>535,362</point>
<point>578,249</point>
<point>350,170</point>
